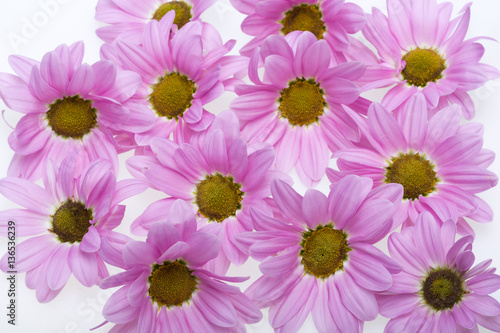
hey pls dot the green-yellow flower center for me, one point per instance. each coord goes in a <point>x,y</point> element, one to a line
<point>302,103</point>
<point>218,197</point>
<point>414,172</point>
<point>442,289</point>
<point>182,12</point>
<point>71,222</point>
<point>171,283</point>
<point>422,66</point>
<point>72,117</point>
<point>172,95</point>
<point>304,18</point>
<point>324,251</point>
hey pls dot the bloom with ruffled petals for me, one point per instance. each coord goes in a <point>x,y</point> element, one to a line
<point>179,76</point>
<point>297,105</point>
<point>69,224</point>
<point>438,290</point>
<point>68,106</point>
<point>440,163</point>
<point>128,18</point>
<point>320,257</point>
<point>221,179</point>
<point>422,50</point>
<point>331,20</point>
<point>166,288</point>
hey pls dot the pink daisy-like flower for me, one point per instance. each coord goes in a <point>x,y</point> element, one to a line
<point>179,78</point>
<point>422,50</point>
<point>331,20</point>
<point>320,258</point>
<point>297,106</point>
<point>69,106</point>
<point>69,223</point>
<point>166,288</point>
<point>438,290</point>
<point>128,18</point>
<point>221,180</point>
<point>440,163</point>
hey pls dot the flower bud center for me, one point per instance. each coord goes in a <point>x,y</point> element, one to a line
<point>302,103</point>
<point>182,12</point>
<point>71,222</point>
<point>72,117</point>
<point>304,18</point>
<point>172,95</point>
<point>422,66</point>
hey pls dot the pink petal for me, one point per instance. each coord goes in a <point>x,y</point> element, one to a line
<point>83,265</point>
<point>369,274</point>
<point>54,73</point>
<point>91,242</point>
<point>397,305</point>
<point>204,247</point>
<point>118,310</point>
<point>315,208</point>
<point>58,271</point>
<point>359,301</point>
<point>293,302</point>
<point>139,253</point>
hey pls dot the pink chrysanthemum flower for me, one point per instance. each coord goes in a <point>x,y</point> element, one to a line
<point>422,50</point>
<point>179,78</point>
<point>320,259</point>
<point>440,163</point>
<point>222,180</point>
<point>166,288</point>
<point>128,18</point>
<point>297,105</point>
<point>331,20</point>
<point>438,290</point>
<point>69,223</point>
<point>69,106</point>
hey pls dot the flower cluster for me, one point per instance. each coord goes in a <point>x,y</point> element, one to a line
<point>406,172</point>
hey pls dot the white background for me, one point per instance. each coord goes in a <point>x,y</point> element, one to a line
<point>77,308</point>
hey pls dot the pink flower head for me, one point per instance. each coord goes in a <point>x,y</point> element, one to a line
<point>440,163</point>
<point>296,107</point>
<point>166,288</point>
<point>69,224</point>
<point>438,290</point>
<point>422,50</point>
<point>179,76</point>
<point>222,180</point>
<point>320,258</point>
<point>68,106</point>
<point>331,20</point>
<point>128,18</point>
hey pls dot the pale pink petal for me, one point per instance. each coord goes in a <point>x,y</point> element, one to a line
<point>83,265</point>
<point>118,310</point>
<point>91,242</point>
<point>359,301</point>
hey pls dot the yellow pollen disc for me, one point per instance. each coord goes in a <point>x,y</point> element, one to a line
<point>304,18</point>
<point>422,66</point>
<point>171,284</point>
<point>442,289</point>
<point>302,103</point>
<point>72,117</point>
<point>324,251</point>
<point>218,197</point>
<point>414,172</point>
<point>71,222</point>
<point>172,95</point>
<point>182,12</point>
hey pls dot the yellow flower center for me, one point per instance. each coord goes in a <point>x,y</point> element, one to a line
<point>422,66</point>
<point>171,283</point>
<point>302,103</point>
<point>182,12</point>
<point>304,18</point>
<point>218,197</point>
<point>71,222</point>
<point>442,289</point>
<point>172,95</point>
<point>324,251</point>
<point>72,117</point>
<point>414,172</point>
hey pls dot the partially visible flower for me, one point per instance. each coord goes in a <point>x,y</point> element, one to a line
<point>165,287</point>
<point>440,163</point>
<point>331,20</point>
<point>69,224</point>
<point>179,76</point>
<point>320,257</point>
<point>422,50</point>
<point>221,180</point>
<point>68,106</point>
<point>438,290</point>
<point>128,18</point>
<point>296,107</point>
